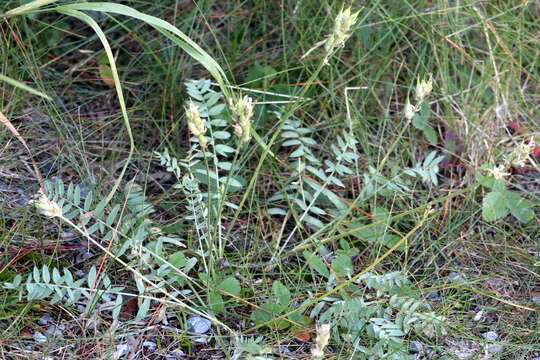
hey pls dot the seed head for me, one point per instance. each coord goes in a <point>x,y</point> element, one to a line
<point>45,206</point>
<point>423,88</point>
<point>195,123</point>
<point>242,111</point>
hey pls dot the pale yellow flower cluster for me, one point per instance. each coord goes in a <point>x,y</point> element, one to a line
<point>323,336</point>
<point>499,172</point>
<point>520,154</point>
<point>422,91</point>
<point>46,207</point>
<point>196,124</point>
<point>343,25</point>
<point>242,111</point>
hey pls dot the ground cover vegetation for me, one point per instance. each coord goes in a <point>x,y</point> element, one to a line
<point>269,179</point>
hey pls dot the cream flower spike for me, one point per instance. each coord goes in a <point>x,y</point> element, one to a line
<point>409,110</point>
<point>242,112</point>
<point>423,88</point>
<point>45,206</point>
<point>323,336</point>
<point>196,124</point>
<point>343,24</point>
<point>521,153</point>
<point>499,172</point>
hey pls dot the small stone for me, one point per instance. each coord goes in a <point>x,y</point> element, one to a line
<point>121,350</point>
<point>56,330</point>
<point>479,315</point>
<point>175,354</point>
<point>454,277</point>
<point>198,325</point>
<point>39,337</point>
<point>416,347</point>
<point>494,348</point>
<point>433,296</point>
<point>464,354</point>
<point>536,300</point>
<point>490,336</point>
<point>45,319</point>
<point>200,339</point>
<point>149,345</point>
<point>465,349</point>
<point>82,256</point>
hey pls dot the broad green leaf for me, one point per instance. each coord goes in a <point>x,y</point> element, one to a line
<point>316,263</point>
<point>389,240</point>
<point>232,181</point>
<point>37,276</point>
<point>498,185</point>
<point>342,265</point>
<point>313,222</point>
<point>276,211</point>
<point>230,286</point>
<point>268,312</point>
<point>178,259</point>
<point>92,276</point>
<point>520,208</point>
<point>494,206</point>
<point>117,307</point>
<point>420,119</point>
<point>57,278</point>
<point>430,134</point>
<point>215,302</point>
<point>282,294</point>
<point>221,135</point>
<point>143,309</point>
<point>46,274</point>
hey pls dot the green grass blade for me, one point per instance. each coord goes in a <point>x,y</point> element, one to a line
<point>167,29</point>
<point>31,6</point>
<point>101,35</point>
<point>22,86</point>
